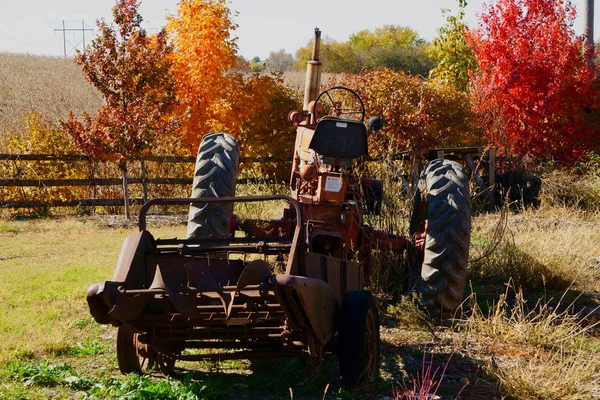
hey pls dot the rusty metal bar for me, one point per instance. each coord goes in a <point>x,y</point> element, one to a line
<point>218,333</point>
<point>225,289</point>
<point>240,355</point>
<point>255,330</point>
<point>167,321</point>
<point>266,239</point>
<point>242,199</point>
<point>233,345</point>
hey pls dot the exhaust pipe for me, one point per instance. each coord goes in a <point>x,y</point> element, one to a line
<point>313,73</point>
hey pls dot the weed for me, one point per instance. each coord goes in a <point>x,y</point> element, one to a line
<point>81,210</point>
<point>388,275</point>
<point>8,228</point>
<point>48,375</point>
<point>82,323</point>
<point>426,384</point>
<point>407,313</point>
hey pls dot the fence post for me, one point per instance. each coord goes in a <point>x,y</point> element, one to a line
<point>126,194</point>
<point>144,183</point>
<point>416,173</point>
<point>492,178</point>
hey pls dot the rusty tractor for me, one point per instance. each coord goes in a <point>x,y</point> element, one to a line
<point>294,286</point>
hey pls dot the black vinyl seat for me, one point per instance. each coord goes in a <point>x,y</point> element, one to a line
<point>339,138</point>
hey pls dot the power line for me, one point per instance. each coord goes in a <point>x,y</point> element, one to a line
<point>63,28</point>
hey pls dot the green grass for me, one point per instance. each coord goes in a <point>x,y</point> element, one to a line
<point>46,269</point>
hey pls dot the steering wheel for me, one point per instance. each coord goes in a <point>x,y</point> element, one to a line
<point>342,101</point>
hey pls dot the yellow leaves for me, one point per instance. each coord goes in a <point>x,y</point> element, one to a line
<point>39,136</point>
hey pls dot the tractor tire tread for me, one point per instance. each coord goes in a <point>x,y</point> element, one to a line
<point>444,271</point>
<point>215,175</point>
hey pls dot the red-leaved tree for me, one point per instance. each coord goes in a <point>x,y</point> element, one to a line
<point>131,69</point>
<point>534,87</point>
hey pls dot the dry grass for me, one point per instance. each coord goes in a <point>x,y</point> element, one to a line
<point>533,351</point>
<point>533,346</point>
<point>551,248</point>
<point>511,319</point>
<point>544,350</point>
<point>556,375</point>
<point>49,85</point>
<point>566,190</point>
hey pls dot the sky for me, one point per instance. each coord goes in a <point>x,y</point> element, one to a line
<point>34,26</point>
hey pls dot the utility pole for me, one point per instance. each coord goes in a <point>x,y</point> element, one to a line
<point>63,28</point>
<point>589,28</point>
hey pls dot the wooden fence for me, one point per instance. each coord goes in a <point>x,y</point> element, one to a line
<point>467,155</point>
<point>91,181</point>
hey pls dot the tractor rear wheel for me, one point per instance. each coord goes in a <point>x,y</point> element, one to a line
<point>442,217</point>
<point>358,346</point>
<point>214,176</point>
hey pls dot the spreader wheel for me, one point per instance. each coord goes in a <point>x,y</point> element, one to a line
<point>166,363</point>
<point>441,228</point>
<point>133,355</point>
<point>358,347</point>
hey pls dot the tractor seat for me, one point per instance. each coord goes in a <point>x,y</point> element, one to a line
<point>339,138</point>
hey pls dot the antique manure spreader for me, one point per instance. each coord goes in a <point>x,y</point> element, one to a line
<point>288,287</point>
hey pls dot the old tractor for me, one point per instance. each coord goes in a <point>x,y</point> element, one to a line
<point>295,286</point>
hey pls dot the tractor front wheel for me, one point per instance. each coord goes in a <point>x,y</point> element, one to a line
<point>358,345</point>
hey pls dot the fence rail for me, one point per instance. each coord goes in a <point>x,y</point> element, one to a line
<point>142,179</point>
<point>83,157</point>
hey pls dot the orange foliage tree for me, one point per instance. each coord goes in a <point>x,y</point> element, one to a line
<point>267,131</point>
<point>418,115</point>
<point>204,53</point>
<point>132,72</point>
<point>214,95</point>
